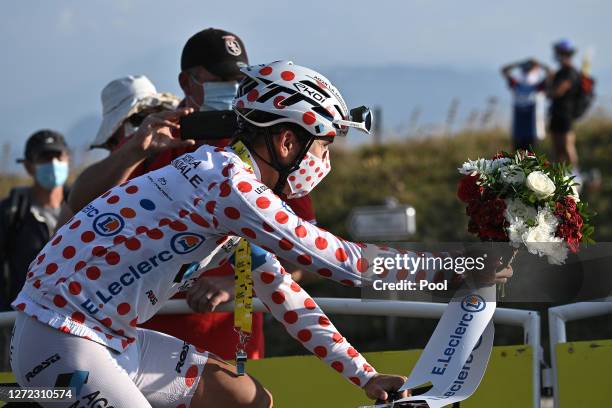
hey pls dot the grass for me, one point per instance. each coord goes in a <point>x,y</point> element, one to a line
<point>423,173</point>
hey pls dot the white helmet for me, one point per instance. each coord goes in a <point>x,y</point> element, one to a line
<point>281,92</point>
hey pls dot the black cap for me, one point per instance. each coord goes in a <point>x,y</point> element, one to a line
<point>220,52</point>
<point>44,141</point>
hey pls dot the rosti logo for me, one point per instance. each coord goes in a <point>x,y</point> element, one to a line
<point>473,303</point>
<point>186,242</point>
<point>108,224</point>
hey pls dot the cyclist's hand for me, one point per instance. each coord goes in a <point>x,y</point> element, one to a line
<point>155,133</point>
<point>503,275</point>
<point>209,292</point>
<point>380,385</point>
<point>496,269</point>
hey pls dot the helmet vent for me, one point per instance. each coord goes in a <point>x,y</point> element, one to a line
<point>323,112</point>
<point>316,87</point>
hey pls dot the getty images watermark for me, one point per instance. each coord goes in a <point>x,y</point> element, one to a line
<point>435,271</point>
<point>422,271</point>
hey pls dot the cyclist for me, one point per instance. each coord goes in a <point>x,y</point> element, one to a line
<point>119,259</point>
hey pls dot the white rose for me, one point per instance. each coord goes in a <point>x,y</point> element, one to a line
<point>512,174</point>
<point>540,184</point>
<point>536,239</point>
<point>557,252</point>
<point>533,236</point>
<point>516,210</point>
<point>546,219</point>
<point>541,240</point>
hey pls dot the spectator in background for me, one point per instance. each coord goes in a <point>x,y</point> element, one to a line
<point>28,217</point>
<point>125,103</point>
<point>562,94</point>
<point>527,81</point>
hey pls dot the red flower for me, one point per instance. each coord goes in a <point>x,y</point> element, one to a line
<point>564,231</point>
<point>473,207</point>
<point>468,189</point>
<point>473,227</point>
<point>487,218</point>
<point>576,220</point>
<point>570,223</point>
<point>570,204</point>
<point>573,244</point>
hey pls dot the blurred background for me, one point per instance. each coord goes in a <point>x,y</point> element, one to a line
<point>431,68</point>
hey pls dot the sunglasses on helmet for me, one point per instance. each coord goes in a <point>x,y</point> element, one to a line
<point>360,118</point>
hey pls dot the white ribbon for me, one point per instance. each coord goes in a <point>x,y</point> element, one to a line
<point>456,356</point>
<point>468,378</point>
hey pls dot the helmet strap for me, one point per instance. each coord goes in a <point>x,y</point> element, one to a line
<point>283,170</point>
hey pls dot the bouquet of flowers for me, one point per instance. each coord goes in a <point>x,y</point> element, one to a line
<point>526,200</point>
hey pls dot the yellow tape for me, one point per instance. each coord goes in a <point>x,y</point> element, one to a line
<point>243,304</point>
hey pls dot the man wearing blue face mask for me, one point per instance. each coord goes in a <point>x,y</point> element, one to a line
<point>29,215</point>
<point>210,69</point>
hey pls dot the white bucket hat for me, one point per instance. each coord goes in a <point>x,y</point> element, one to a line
<point>124,97</point>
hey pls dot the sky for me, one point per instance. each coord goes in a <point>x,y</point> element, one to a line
<point>58,55</point>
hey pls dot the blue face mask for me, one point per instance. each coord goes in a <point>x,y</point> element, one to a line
<point>217,95</point>
<point>52,174</point>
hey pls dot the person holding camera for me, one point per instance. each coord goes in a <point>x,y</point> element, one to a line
<point>126,102</point>
<point>527,81</point>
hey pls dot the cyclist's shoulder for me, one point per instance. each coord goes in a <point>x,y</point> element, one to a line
<point>209,157</point>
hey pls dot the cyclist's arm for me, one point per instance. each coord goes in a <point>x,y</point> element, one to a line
<point>304,320</point>
<point>252,211</point>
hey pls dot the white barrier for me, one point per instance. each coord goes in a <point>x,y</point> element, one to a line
<point>557,317</point>
<point>527,319</point>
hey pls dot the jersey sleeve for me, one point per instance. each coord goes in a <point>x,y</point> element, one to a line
<point>303,208</point>
<point>250,210</point>
<point>304,320</point>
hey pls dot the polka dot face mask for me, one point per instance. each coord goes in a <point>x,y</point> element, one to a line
<point>312,169</point>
